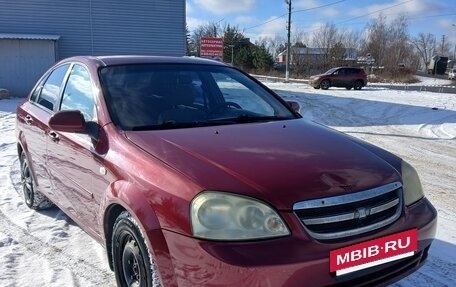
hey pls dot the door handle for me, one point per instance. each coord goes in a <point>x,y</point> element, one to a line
<point>28,119</point>
<point>54,136</point>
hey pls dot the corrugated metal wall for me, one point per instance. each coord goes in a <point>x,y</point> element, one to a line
<point>155,27</point>
<point>22,63</point>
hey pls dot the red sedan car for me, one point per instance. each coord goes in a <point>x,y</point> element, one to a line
<point>192,173</point>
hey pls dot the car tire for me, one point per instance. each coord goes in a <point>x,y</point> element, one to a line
<point>348,88</point>
<point>317,87</point>
<point>32,197</point>
<point>132,260</point>
<point>358,85</point>
<point>325,84</point>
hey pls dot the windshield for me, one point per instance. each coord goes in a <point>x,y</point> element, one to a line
<point>330,71</point>
<point>165,96</point>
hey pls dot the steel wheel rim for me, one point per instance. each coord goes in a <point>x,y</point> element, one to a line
<point>27,184</point>
<point>132,262</point>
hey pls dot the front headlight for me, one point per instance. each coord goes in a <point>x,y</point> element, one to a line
<point>413,191</point>
<point>224,216</point>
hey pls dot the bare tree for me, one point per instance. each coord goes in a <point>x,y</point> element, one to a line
<point>351,39</point>
<point>425,46</point>
<point>399,50</point>
<point>390,46</point>
<point>325,38</point>
<point>337,54</point>
<point>443,47</point>
<point>377,39</point>
<point>274,45</point>
<point>300,38</point>
<point>210,29</point>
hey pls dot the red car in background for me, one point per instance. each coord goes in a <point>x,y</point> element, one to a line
<point>192,173</point>
<point>343,77</point>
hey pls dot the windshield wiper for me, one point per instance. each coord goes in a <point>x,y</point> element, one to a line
<point>244,118</point>
<point>167,125</point>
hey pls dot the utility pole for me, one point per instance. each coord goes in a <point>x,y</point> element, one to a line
<point>454,52</point>
<point>287,67</point>
<point>443,44</point>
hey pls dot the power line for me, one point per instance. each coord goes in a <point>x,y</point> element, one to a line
<point>377,11</point>
<point>429,16</point>
<point>297,11</point>
<point>367,14</point>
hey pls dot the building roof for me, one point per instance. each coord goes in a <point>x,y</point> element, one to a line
<point>305,50</point>
<point>313,51</point>
<point>29,37</point>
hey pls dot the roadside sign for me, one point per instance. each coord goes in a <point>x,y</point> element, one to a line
<point>211,47</point>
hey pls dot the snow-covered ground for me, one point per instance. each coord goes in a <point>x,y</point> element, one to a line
<point>423,81</point>
<point>47,249</point>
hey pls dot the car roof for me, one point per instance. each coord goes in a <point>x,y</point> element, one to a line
<point>113,60</point>
<point>357,68</point>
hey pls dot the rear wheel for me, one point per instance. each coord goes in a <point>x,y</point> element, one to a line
<point>325,84</point>
<point>33,198</point>
<point>132,260</point>
<point>358,85</point>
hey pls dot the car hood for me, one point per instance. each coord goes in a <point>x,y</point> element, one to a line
<point>317,76</point>
<point>279,162</point>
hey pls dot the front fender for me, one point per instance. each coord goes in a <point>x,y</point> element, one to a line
<point>132,199</point>
<point>123,195</point>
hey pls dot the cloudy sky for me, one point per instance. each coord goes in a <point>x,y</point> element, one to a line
<point>268,17</point>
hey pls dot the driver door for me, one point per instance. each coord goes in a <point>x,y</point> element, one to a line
<point>73,163</point>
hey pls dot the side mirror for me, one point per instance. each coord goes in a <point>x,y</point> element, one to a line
<point>68,121</point>
<point>294,106</point>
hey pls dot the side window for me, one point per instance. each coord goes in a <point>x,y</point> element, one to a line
<point>78,93</point>
<point>37,90</point>
<point>51,88</point>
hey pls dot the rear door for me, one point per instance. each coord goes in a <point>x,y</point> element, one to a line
<point>33,119</point>
<point>76,168</point>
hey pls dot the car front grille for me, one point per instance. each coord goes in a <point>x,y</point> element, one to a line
<point>351,214</point>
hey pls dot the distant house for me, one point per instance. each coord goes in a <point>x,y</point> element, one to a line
<point>36,33</point>
<point>312,55</point>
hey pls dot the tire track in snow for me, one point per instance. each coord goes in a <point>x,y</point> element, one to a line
<point>57,257</point>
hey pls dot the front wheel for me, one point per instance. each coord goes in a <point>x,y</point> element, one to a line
<point>132,261</point>
<point>325,84</point>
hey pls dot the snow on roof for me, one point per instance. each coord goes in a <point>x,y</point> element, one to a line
<point>29,37</point>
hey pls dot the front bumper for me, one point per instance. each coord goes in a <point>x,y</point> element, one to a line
<point>296,260</point>
<point>314,82</point>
